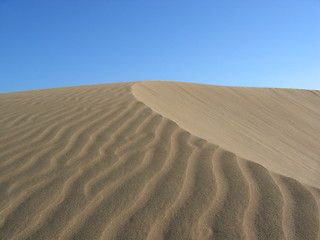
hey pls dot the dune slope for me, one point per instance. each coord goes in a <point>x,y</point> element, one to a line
<point>278,128</point>
<point>95,162</point>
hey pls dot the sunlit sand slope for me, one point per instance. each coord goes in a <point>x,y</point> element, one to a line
<point>93,162</point>
<point>278,128</point>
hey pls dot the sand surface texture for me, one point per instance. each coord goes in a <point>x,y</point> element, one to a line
<point>160,160</point>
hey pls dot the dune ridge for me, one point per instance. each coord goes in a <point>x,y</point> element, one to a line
<point>277,128</point>
<point>98,162</point>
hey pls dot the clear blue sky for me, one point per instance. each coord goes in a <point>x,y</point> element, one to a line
<point>274,43</point>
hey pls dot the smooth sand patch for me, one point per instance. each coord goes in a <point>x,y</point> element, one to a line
<point>278,128</point>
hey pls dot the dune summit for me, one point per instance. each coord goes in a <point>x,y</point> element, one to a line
<point>278,128</point>
<point>160,160</point>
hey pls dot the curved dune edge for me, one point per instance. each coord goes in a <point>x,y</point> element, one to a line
<point>92,162</point>
<point>277,128</point>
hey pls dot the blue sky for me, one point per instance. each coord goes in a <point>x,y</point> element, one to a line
<point>46,44</point>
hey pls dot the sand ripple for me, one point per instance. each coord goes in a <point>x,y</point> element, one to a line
<point>93,162</point>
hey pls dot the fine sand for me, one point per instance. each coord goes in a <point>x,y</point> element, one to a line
<point>160,160</point>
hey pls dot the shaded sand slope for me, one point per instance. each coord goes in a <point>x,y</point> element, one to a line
<point>93,162</point>
<point>278,128</point>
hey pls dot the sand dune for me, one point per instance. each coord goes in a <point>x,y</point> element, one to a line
<point>159,160</point>
<point>278,128</point>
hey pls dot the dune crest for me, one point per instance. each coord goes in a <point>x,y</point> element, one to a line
<point>95,162</point>
<point>278,128</point>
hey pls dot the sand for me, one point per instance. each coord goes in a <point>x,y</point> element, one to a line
<point>160,160</point>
